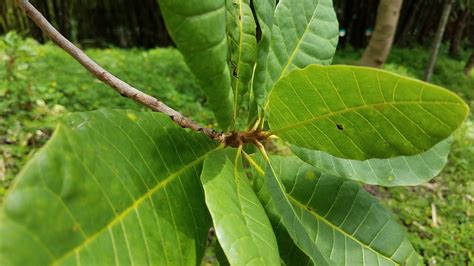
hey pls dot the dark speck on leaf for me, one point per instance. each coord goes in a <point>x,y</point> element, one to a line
<point>340,127</point>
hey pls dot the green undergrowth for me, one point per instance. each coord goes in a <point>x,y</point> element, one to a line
<point>40,83</point>
<point>439,215</point>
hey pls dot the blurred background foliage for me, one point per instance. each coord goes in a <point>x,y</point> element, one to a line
<point>121,23</point>
<point>128,23</point>
<point>39,83</point>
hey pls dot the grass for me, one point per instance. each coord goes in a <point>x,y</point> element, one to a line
<point>45,83</point>
<point>439,215</point>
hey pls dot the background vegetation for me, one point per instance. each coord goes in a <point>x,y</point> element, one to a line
<point>39,83</point>
<point>143,25</point>
<point>43,83</point>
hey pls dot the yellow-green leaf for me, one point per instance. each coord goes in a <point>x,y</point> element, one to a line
<point>109,188</point>
<point>242,227</point>
<point>361,113</point>
<point>343,221</point>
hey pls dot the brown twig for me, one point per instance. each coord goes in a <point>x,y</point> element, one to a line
<point>117,84</point>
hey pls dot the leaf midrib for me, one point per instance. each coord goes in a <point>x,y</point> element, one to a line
<point>239,196</point>
<point>356,108</point>
<point>304,207</point>
<point>136,204</point>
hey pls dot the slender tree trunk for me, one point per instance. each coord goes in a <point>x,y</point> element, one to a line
<point>460,25</point>
<point>408,28</point>
<point>385,26</point>
<point>469,65</point>
<point>427,19</point>
<point>438,38</point>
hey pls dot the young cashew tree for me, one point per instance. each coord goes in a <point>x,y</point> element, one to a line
<point>121,187</point>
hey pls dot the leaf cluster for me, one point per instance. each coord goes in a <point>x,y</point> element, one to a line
<point>126,187</point>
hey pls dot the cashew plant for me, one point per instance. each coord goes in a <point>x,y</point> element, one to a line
<point>117,187</point>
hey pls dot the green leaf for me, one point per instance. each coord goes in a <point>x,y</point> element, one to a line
<point>345,222</point>
<point>264,11</point>
<point>110,187</point>
<point>304,32</point>
<point>241,225</point>
<point>243,48</point>
<point>288,215</point>
<point>290,253</point>
<point>199,30</point>
<point>397,171</point>
<point>362,113</point>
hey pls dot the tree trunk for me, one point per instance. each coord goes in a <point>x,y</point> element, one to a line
<point>385,26</point>
<point>438,38</point>
<point>427,22</point>
<point>414,14</point>
<point>469,65</point>
<point>460,25</point>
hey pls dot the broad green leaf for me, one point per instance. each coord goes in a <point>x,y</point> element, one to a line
<point>241,225</point>
<point>362,113</point>
<point>264,12</point>
<point>397,171</point>
<point>290,253</point>
<point>109,188</point>
<point>304,32</point>
<point>243,48</point>
<point>198,28</point>
<point>345,222</point>
<point>289,216</point>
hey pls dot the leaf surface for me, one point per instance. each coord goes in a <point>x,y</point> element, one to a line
<point>289,217</point>
<point>398,171</point>
<point>362,113</point>
<point>264,12</point>
<point>243,48</point>
<point>110,187</point>
<point>304,32</point>
<point>198,29</point>
<point>290,253</point>
<point>346,223</point>
<point>242,227</point>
